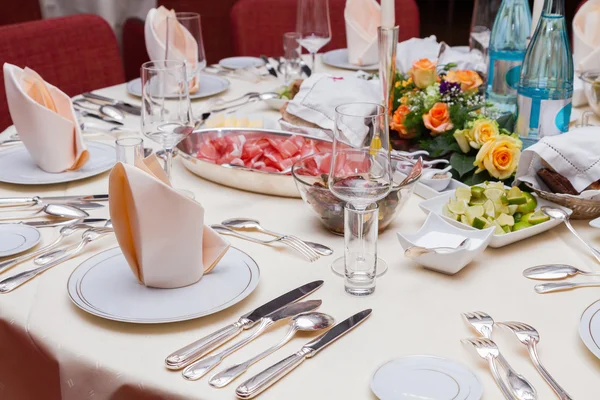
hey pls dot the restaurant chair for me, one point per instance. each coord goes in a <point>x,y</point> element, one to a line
<point>14,12</point>
<point>76,54</point>
<point>258,25</point>
<point>134,47</point>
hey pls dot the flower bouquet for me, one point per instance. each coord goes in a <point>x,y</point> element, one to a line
<point>439,109</point>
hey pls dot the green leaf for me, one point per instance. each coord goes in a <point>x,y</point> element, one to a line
<point>476,179</point>
<point>462,163</point>
<point>507,121</point>
<point>440,145</point>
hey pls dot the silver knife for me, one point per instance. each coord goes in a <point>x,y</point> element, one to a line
<point>268,66</point>
<point>110,120</point>
<point>258,383</point>
<point>49,224</point>
<point>22,201</point>
<point>190,353</point>
<point>127,107</point>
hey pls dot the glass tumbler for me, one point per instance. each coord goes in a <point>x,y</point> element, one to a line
<point>292,51</point>
<point>360,249</point>
<point>129,149</point>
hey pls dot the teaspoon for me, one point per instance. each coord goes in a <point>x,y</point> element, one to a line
<point>554,271</point>
<point>417,251</point>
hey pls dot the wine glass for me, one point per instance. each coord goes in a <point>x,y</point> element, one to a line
<point>184,43</point>
<point>482,21</point>
<point>313,25</point>
<point>166,107</point>
<point>361,174</point>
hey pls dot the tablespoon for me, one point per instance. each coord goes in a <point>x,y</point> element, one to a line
<point>560,214</point>
<point>309,322</point>
<point>555,271</point>
<point>113,113</point>
<point>417,251</point>
<point>55,210</point>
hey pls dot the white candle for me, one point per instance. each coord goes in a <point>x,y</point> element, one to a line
<point>388,17</point>
<point>538,5</point>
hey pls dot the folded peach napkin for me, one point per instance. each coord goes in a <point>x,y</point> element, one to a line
<point>586,36</point>
<point>45,120</point>
<point>160,231</point>
<point>362,17</point>
<point>182,45</point>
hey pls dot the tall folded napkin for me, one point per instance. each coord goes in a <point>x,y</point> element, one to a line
<point>160,231</point>
<point>586,36</point>
<point>414,49</point>
<point>45,120</point>
<point>362,19</point>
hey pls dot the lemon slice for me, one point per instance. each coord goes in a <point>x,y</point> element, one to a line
<point>514,192</point>
<point>465,220</point>
<point>496,185</point>
<point>448,213</point>
<point>493,194</point>
<point>505,219</point>
<point>489,208</point>
<point>512,209</point>
<point>537,218</point>
<point>458,207</point>
<point>463,193</point>
<point>498,228</point>
<point>480,223</point>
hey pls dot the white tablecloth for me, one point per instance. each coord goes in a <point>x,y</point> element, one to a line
<point>49,348</point>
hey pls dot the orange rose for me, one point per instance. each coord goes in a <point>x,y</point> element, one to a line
<point>423,73</point>
<point>437,120</point>
<point>397,123</point>
<point>469,80</point>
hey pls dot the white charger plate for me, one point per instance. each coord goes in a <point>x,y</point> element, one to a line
<point>209,86</point>
<point>17,238</point>
<point>425,377</point>
<point>436,204</point>
<point>589,328</point>
<point>241,62</point>
<point>105,286</point>
<point>339,59</point>
<point>17,166</point>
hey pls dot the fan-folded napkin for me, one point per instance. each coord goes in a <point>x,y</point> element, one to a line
<point>362,17</point>
<point>160,231</point>
<point>45,120</point>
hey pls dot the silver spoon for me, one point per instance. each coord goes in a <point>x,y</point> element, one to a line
<point>560,214</point>
<point>254,225</point>
<point>56,210</point>
<point>557,287</point>
<point>112,112</point>
<point>417,251</point>
<point>554,271</point>
<point>309,322</point>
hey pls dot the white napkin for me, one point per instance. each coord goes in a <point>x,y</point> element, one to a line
<point>362,19</point>
<point>575,155</point>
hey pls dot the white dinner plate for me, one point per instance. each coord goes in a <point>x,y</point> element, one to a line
<point>425,377</point>
<point>209,86</point>
<point>241,62</point>
<point>17,166</point>
<point>16,238</point>
<point>339,59</point>
<point>105,286</point>
<point>589,328</point>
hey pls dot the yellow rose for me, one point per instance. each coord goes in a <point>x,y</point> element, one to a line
<point>423,73</point>
<point>500,156</point>
<point>463,141</point>
<point>483,131</point>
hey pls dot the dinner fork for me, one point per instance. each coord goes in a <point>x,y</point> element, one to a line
<point>488,350</point>
<point>530,337</point>
<point>300,247</point>
<point>484,324</point>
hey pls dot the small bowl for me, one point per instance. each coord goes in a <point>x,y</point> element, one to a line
<point>438,184</point>
<point>436,232</point>
<point>330,210</point>
<point>591,87</point>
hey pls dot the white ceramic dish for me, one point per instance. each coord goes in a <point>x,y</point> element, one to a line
<point>276,104</point>
<point>436,232</point>
<point>17,166</point>
<point>595,223</point>
<point>427,192</point>
<point>440,184</point>
<point>589,328</point>
<point>339,59</point>
<point>435,205</point>
<point>104,286</point>
<point>17,238</point>
<point>241,62</point>
<point>209,86</point>
<point>425,377</point>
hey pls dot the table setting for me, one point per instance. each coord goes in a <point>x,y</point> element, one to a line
<point>205,231</point>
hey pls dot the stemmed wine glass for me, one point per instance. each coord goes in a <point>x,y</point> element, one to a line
<point>361,174</point>
<point>166,108</point>
<point>313,25</point>
<point>482,21</point>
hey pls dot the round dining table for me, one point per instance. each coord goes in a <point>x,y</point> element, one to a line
<point>50,349</point>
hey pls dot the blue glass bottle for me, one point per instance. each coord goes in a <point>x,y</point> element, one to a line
<point>508,43</point>
<point>546,86</point>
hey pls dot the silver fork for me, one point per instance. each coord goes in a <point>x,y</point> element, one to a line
<point>488,350</point>
<point>306,251</point>
<point>484,324</point>
<point>530,337</point>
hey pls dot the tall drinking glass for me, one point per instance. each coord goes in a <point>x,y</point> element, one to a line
<point>166,117</point>
<point>292,51</point>
<point>313,25</point>
<point>360,174</point>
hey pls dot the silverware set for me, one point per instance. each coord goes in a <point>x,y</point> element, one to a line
<point>512,385</point>
<point>552,272</point>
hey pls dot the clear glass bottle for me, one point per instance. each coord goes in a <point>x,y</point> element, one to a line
<point>507,50</point>
<point>546,85</point>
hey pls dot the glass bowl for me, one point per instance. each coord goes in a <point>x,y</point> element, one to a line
<point>310,175</point>
<point>591,87</point>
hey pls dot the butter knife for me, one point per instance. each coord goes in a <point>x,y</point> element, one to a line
<point>190,353</point>
<point>22,201</point>
<point>127,107</point>
<point>257,384</point>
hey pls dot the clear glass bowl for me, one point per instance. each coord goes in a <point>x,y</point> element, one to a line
<point>591,87</point>
<point>310,176</point>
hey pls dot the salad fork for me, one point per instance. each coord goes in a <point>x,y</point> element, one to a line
<point>484,324</point>
<point>530,337</point>
<point>488,350</point>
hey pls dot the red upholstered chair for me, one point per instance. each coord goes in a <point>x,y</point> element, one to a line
<point>14,12</point>
<point>258,25</point>
<point>76,54</point>
<point>134,47</point>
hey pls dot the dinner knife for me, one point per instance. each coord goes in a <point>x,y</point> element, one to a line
<point>22,201</point>
<point>127,107</point>
<point>190,353</point>
<point>269,66</point>
<point>305,68</point>
<point>258,383</point>
<point>110,120</point>
<point>52,223</point>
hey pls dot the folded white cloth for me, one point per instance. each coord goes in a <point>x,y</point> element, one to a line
<point>362,19</point>
<point>586,36</point>
<point>575,155</point>
<point>45,119</point>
